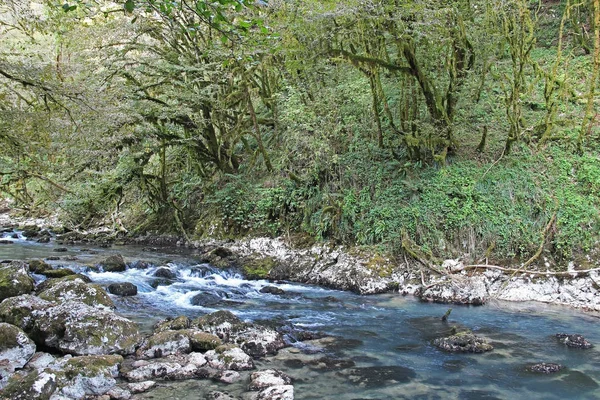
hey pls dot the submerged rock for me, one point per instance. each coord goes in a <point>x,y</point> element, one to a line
<point>575,341</point>
<point>123,289</point>
<point>544,368</point>
<point>165,272</point>
<point>15,280</point>
<point>376,377</point>
<point>463,342</point>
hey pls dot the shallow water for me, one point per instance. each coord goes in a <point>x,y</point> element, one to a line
<point>382,344</point>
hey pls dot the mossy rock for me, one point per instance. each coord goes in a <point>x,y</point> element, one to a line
<point>202,341</point>
<point>58,273</point>
<point>91,366</point>
<point>90,294</point>
<point>175,324</point>
<point>258,268</point>
<point>217,318</point>
<point>36,385</point>
<point>114,263</point>
<point>15,280</point>
<point>51,282</point>
<point>19,311</point>
<point>38,266</point>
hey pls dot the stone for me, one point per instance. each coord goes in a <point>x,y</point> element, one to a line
<point>165,272</point>
<point>457,290</point>
<point>181,322</point>
<point>16,349</point>
<point>58,273</point>
<point>219,396</point>
<point>89,375</point>
<point>33,386</point>
<point>280,392</point>
<point>228,376</point>
<point>140,264</point>
<point>38,266</point>
<point>202,341</point>
<point>224,324</point>
<point>544,368</point>
<point>206,299</point>
<point>75,328</point>
<point>117,393</point>
<point>15,280</point>
<point>272,290</point>
<point>258,341</point>
<point>229,358</point>
<point>60,249</point>
<point>123,289</point>
<point>165,343</point>
<point>51,282</point>
<point>575,341</point>
<point>463,342</point>
<point>113,263</point>
<point>154,370</point>
<point>141,387</point>
<point>263,379</point>
<point>40,361</point>
<point>67,290</point>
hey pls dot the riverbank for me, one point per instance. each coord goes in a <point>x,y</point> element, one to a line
<point>363,271</point>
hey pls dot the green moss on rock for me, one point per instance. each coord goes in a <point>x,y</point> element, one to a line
<point>59,273</point>
<point>258,268</point>
<point>15,280</point>
<point>90,294</point>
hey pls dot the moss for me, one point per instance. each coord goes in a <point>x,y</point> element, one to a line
<point>217,318</point>
<point>38,266</point>
<point>380,266</point>
<point>90,294</point>
<point>202,341</point>
<point>181,322</point>
<point>258,268</point>
<point>8,336</point>
<point>59,273</point>
<point>14,281</point>
<point>35,385</point>
<point>91,365</point>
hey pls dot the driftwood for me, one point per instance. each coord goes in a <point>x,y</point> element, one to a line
<point>530,272</point>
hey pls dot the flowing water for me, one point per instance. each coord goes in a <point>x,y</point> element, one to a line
<point>379,346</point>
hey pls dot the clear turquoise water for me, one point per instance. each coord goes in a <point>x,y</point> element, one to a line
<point>382,344</point>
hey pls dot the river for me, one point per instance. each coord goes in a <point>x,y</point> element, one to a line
<point>378,347</point>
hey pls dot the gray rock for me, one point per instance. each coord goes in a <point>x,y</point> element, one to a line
<point>16,349</point>
<point>141,387</point>
<point>544,368</point>
<point>272,290</point>
<point>575,341</point>
<point>117,393</point>
<point>224,324</point>
<point>263,379</point>
<point>279,392</point>
<point>228,376</point>
<point>77,290</point>
<point>229,358</point>
<point>165,272</point>
<point>463,342</point>
<point>457,290</point>
<point>40,361</point>
<point>15,280</point>
<point>165,343</point>
<point>114,263</point>
<point>219,396</point>
<point>181,322</point>
<point>123,289</point>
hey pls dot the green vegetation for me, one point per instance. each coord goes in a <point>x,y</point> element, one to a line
<point>465,128</point>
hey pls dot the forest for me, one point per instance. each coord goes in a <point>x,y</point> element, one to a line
<point>438,129</point>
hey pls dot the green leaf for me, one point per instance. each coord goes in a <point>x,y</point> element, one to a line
<point>129,6</point>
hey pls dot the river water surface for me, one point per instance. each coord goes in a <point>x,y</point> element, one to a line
<point>379,347</point>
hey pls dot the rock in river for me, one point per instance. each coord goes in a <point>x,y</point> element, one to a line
<point>114,263</point>
<point>463,342</point>
<point>90,294</point>
<point>576,341</point>
<point>15,280</point>
<point>16,349</point>
<point>123,289</point>
<point>544,368</point>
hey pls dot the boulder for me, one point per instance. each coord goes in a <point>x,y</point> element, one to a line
<point>173,368</point>
<point>123,289</point>
<point>272,290</point>
<point>229,358</point>
<point>279,392</point>
<point>181,322</point>
<point>60,249</point>
<point>16,349</point>
<point>21,311</point>
<point>75,328</point>
<point>113,263</point>
<point>263,379</point>
<point>456,290</point>
<point>67,378</point>
<point>15,280</point>
<point>463,342</point>
<point>165,343</point>
<point>215,395</point>
<point>224,324</point>
<point>140,264</point>
<point>202,341</point>
<point>165,272</point>
<point>575,341</point>
<point>38,266</point>
<point>258,341</point>
<point>58,273</point>
<point>206,299</point>
<point>66,290</point>
<point>227,376</point>
<point>51,282</point>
